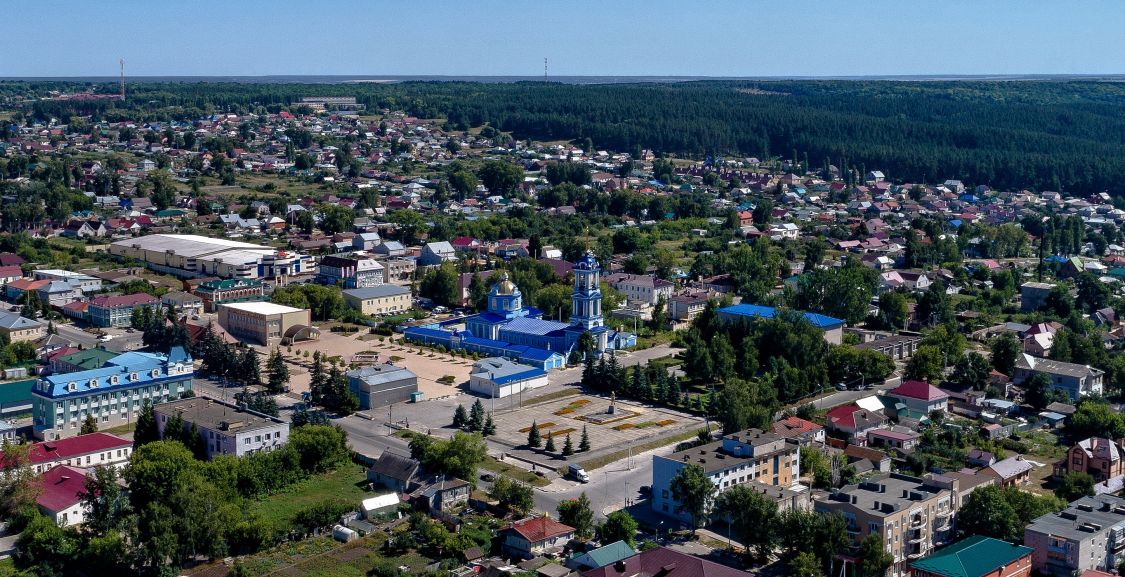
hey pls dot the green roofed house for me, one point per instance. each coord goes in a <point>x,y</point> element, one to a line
<point>976,556</point>
<point>601,557</point>
<point>82,361</point>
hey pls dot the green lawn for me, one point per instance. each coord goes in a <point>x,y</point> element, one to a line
<point>122,429</point>
<point>344,484</point>
<point>513,472</point>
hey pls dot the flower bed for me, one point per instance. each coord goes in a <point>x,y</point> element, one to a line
<point>541,426</point>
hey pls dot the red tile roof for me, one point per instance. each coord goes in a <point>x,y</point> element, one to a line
<point>540,529</point>
<point>133,300</point>
<point>844,415</point>
<point>11,271</point>
<point>795,426</point>
<point>919,390</point>
<point>25,284</point>
<point>62,486</point>
<point>62,449</point>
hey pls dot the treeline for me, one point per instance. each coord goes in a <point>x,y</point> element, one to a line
<point>1042,135</point>
<point>177,509</point>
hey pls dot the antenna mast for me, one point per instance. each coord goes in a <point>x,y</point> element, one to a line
<point>544,69</point>
<point>122,62</point>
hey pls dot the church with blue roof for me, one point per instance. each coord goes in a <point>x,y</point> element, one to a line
<point>512,330</point>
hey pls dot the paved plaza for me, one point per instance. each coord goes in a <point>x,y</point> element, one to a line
<point>430,366</point>
<point>633,424</point>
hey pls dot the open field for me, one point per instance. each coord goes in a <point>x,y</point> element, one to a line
<point>344,484</point>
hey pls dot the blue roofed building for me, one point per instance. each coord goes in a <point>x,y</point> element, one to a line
<point>833,328</point>
<point>113,393</point>
<point>497,377</point>
<point>511,330</point>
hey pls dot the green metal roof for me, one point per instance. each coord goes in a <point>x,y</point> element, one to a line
<point>16,392</point>
<point>609,554</point>
<point>972,557</point>
<point>88,359</point>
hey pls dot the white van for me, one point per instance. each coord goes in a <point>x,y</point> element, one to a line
<point>578,473</point>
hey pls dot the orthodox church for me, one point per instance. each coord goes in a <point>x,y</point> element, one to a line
<point>509,329</point>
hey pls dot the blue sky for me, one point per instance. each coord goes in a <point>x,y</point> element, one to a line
<point>608,37</point>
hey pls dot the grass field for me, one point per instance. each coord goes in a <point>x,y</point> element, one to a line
<point>323,557</point>
<point>344,484</point>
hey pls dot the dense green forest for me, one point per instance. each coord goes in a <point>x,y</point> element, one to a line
<point>1045,135</point>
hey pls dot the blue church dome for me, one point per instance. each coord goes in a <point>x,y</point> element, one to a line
<point>587,262</point>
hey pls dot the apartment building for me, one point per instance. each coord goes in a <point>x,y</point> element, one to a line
<point>117,311</point>
<point>1089,534</point>
<point>1075,380</point>
<point>353,271</point>
<point>399,270</point>
<point>225,428</point>
<point>641,288</point>
<point>113,394</point>
<point>912,515</point>
<point>378,300</point>
<point>750,457</point>
<point>235,290</point>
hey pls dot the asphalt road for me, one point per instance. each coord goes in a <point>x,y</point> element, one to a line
<point>610,488</point>
<point>77,335</point>
<point>843,397</point>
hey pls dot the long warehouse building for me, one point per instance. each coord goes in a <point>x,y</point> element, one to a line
<point>189,255</point>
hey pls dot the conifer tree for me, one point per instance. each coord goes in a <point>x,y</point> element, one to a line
<point>550,447</point>
<point>568,448</point>
<point>533,438</point>
<point>584,441</point>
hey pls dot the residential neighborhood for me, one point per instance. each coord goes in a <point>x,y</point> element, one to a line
<point>314,331</point>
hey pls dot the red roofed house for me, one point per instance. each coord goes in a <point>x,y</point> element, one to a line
<point>10,273</point>
<point>117,311</point>
<point>81,451</point>
<point>921,396</point>
<point>60,498</point>
<point>800,430</point>
<point>536,536</point>
<point>854,421</point>
<point>14,290</point>
<point>664,562</point>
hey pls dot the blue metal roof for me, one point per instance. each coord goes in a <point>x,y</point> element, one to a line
<point>746,310</point>
<point>533,326</point>
<point>477,341</point>
<point>502,371</point>
<point>121,367</point>
<point>427,332</point>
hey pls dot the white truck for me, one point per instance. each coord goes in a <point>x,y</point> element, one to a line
<point>578,473</point>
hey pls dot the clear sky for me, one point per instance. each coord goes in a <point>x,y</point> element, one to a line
<point>580,37</point>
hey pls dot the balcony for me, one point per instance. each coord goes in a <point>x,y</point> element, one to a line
<point>915,536</point>
<point>917,522</point>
